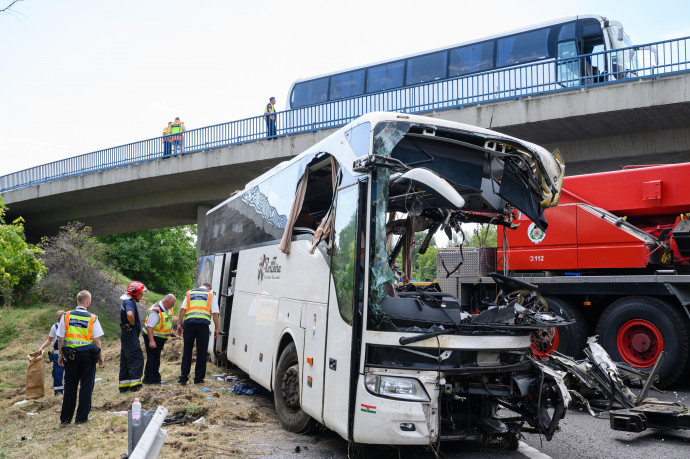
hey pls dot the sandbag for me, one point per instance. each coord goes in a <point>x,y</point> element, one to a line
<point>34,376</point>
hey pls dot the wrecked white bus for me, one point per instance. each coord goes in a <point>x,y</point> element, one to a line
<point>302,259</point>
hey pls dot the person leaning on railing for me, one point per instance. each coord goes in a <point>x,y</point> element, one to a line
<point>167,140</point>
<point>176,131</point>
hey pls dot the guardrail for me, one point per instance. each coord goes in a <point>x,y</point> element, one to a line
<point>555,75</point>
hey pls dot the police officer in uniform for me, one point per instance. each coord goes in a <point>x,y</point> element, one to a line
<point>196,312</point>
<point>270,117</point>
<point>158,329</point>
<point>79,335</point>
<point>131,357</point>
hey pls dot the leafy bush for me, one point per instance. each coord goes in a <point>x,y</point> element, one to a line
<point>163,259</point>
<point>19,267</point>
<point>72,258</point>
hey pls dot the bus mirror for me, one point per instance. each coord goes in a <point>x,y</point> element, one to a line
<point>620,34</point>
<point>433,184</point>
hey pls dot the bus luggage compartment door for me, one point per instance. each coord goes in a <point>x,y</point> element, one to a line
<point>312,383</point>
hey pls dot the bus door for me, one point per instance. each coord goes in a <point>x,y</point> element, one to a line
<point>225,295</point>
<point>217,277</point>
<point>344,308</point>
<point>568,65</point>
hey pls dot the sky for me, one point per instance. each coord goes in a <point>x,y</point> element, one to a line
<point>78,76</point>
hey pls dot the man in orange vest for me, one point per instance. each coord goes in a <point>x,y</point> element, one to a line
<point>198,310</point>
<point>79,348</point>
<point>167,140</point>
<point>158,329</point>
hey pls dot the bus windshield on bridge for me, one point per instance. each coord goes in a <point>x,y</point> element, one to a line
<point>562,40</point>
<point>303,262</point>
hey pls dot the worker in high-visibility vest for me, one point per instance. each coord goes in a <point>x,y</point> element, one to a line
<point>270,118</point>
<point>158,328</point>
<point>79,348</point>
<point>198,310</point>
<point>176,132</point>
<point>131,357</point>
<point>167,140</point>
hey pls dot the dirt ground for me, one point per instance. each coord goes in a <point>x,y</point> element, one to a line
<point>234,425</point>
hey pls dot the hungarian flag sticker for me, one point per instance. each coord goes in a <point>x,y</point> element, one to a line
<point>368,408</point>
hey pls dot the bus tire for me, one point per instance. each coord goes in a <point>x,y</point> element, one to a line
<point>635,329</point>
<point>571,338</point>
<point>286,393</point>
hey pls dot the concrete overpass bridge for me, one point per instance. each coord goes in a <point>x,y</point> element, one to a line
<point>642,120</point>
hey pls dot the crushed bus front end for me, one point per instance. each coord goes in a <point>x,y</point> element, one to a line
<point>434,369</point>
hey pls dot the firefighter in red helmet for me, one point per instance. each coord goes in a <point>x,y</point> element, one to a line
<point>131,356</point>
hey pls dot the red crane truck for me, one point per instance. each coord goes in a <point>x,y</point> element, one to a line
<point>616,258</point>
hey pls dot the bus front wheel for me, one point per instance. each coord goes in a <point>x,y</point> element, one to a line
<point>286,392</point>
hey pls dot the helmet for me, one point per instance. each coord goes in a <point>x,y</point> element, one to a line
<point>136,289</point>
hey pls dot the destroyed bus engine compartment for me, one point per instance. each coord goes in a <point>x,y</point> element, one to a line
<point>428,179</point>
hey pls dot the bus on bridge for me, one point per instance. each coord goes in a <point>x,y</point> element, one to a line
<point>574,48</point>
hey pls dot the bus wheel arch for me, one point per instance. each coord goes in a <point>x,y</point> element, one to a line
<point>286,391</point>
<point>634,329</point>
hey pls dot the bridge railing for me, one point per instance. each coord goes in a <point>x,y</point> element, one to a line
<point>543,77</point>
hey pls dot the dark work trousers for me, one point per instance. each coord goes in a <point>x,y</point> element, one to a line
<point>167,148</point>
<point>57,375</point>
<point>270,128</point>
<point>153,360</point>
<point>131,361</point>
<point>78,372</point>
<point>192,333</point>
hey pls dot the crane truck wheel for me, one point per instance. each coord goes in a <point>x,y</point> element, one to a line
<point>636,329</point>
<point>569,340</point>
<point>286,393</point>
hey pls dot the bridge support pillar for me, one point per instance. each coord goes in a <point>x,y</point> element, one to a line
<point>201,210</point>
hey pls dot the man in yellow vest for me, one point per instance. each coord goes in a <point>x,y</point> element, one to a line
<point>176,132</point>
<point>158,328</point>
<point>198,309</point>
<point>270,117</point>
<point>79,348</point>
<point>167,140</point>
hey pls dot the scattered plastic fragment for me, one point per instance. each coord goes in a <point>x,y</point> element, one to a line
<point>120,413</point>
<point>21,403</point>
<point>205,389</point>
<point>31,414</point>
<point>210,398</point>
<point>201,420</point>
<point>97,379</point>
<point>243,388</point>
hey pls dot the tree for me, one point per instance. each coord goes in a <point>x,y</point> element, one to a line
<point>19,267</point>
<point>482,236</point>
<point>163,259</point>
<point>423,266</point>
<point>73,258</point>
<point>8,8</point>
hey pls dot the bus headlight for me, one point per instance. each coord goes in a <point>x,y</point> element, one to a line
<point>395,387</point>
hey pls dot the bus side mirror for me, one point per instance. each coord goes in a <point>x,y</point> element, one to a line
<point>433,184</point>
<point>620,34</point>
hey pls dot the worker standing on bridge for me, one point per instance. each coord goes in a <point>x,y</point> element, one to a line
<point>158,328</point>
<point>131,357</point>
<point>176,131</point>
<point>167,140</point>
<point>196,312</point>
<point>270,117</point>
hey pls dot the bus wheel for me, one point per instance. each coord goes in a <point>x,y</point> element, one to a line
<point>636,329</point>
<point>569,340</point>
<point>286,393</point>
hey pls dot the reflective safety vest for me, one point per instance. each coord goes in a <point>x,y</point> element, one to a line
<point>163,328</point>
<point>198,306</point>
<point>79,328</point>
<point>176,128</point>
<point>269,109</point>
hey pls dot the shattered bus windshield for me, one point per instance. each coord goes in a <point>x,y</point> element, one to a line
<point>429,179</point>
